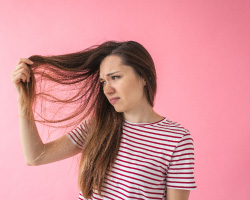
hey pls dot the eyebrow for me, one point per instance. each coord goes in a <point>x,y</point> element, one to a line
<point>109,74</point>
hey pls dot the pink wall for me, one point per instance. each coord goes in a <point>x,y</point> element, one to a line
<point>201,51</point>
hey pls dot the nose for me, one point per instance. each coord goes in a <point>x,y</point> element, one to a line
<point>108,89</point>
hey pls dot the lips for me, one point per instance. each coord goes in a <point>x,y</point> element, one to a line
<point>113,100</point>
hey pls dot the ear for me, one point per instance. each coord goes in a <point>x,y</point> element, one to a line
<point>144,82</point>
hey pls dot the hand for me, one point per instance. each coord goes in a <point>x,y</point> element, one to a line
<point>21,73</point>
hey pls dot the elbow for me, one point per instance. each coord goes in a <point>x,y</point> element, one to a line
<point>31,163</point>
<point>34,159</point>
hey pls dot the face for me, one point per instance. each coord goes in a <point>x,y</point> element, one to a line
<point>121,85</point>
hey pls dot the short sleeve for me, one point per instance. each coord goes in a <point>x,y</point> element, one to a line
<point>180,173</point>
<point>78,135</point>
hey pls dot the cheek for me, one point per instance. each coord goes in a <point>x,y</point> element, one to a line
<point>125,87</point>
<point>131,91</point>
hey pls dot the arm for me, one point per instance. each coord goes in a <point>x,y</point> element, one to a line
<point>35,151</point>
<point>180,172</point>
<point>38,153</point>
<point>177,194</point>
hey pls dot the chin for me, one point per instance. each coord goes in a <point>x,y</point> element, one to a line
<point>119,110</point>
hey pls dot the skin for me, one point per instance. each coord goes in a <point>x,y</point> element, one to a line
<point>35,151</point>
<point>177,194</point>
<point>128,86</point>
<point>132,102</point>
<point>120,80</point>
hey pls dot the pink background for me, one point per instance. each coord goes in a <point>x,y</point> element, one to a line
<point>201,51</point>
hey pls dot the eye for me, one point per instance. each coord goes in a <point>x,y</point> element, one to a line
<point>102,82</point>
<point>114,77</point>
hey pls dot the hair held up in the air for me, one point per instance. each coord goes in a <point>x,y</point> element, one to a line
<point>105,125</point>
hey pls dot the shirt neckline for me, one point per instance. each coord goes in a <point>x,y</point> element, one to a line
<point>147,123</point>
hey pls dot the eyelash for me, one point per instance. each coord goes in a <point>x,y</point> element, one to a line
<point>102,82</point>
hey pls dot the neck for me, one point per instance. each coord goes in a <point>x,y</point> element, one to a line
<point>143,113</point>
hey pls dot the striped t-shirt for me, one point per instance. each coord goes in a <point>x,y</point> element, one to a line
<point>151,157</point>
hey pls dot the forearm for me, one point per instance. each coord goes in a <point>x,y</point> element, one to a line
<point>32,144</point>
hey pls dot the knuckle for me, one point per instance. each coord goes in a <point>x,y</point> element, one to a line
<point>23,64</point>
<point>19,65</point>
<point>20,60</point>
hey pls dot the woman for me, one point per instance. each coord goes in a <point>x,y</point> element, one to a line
<point>128,150</point>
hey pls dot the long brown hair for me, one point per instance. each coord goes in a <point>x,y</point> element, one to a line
<point>105,125</point>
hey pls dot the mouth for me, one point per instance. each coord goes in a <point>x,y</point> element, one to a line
<point>113,100</point>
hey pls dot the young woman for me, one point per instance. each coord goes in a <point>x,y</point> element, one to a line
<point>128,151</point>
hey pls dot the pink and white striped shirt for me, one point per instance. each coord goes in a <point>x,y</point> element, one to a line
<point>151,157</point>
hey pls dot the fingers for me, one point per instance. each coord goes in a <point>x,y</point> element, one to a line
<point>22,72</point>
<point>20,76</point>
<point>16,79</point>
<point>24,60</point>
<point>22,68</point>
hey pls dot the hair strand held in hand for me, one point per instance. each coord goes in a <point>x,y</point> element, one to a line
<point>105,124</point>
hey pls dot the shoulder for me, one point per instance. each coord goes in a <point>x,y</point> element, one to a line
<point>174,127</point>
<point>175,133</point>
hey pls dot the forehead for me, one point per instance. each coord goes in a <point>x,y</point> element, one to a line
<point>112,64</point>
